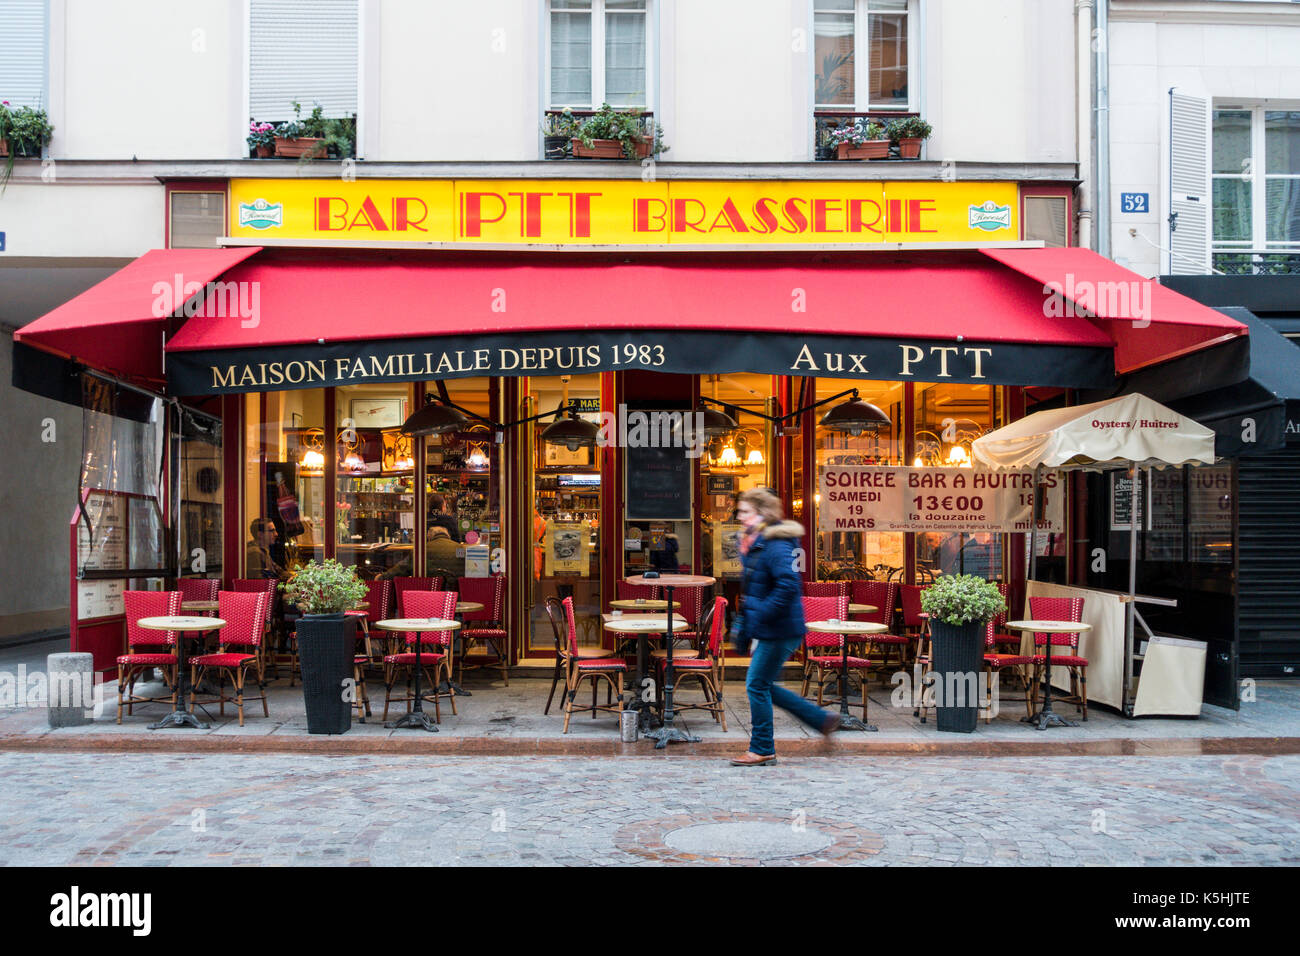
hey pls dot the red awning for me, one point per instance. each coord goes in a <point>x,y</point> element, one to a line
<point>313,299</point>
<point>118,325</point>
<point>1149,322</point>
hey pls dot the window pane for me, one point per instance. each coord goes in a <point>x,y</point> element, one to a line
<point>1045,218</point>
<point>833,49</point>
<point>887,84</point>
<point>874,5</point>
<point>570,59</point>
<point>1209,510</point>
<point>1282,143</point>
<point>570,4</point>
<point>1231,210</point>
<point>198,220</point>
<point>823,5</point>
<point>625,59</point>
<point>1282,215</point>
<point>1231,141</point>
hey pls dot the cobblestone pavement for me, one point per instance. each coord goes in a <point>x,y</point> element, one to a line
<point>161,809</point>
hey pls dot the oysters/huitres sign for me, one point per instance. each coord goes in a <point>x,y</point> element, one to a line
<point>885,498</point>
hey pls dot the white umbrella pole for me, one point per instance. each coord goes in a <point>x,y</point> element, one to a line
<point>1136,475</point>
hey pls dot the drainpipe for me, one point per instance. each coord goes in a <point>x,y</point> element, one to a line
<point>1083,117</point>
<point>1102,195</point>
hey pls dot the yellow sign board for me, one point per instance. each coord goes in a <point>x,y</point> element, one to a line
<point>624,212</point>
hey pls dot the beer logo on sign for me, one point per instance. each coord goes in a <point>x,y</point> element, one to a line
<point>990,217</point>
<point>259,214</point>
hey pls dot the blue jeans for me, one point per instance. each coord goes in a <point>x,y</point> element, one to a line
<point>764,668</point>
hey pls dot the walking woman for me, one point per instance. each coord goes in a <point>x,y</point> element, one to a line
<point>771,617</point>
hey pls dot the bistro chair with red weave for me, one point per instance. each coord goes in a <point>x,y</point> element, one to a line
<point>198,589</point>
<point>435,650</point>
<point>598,670</point>
<point>134,662</point>
<point>488,626</point>
<point>999,662</point>
<point>1060,609</point>
<point>707,669</point>
<point>270,658</point>
<point>379,604</point>
<point>1000,636</point>
<point>830,589</point>
<point>240,652</point>
<point>693,612</point>
<point>402,585</point>
<point>816,646</point>
<point>883,595</point>
<point>555,614</point>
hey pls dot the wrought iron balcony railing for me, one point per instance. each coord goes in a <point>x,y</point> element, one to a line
<point>1261,262</point>
<point>560,126</point>
<point>826,120</point>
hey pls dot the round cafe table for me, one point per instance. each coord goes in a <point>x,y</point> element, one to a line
<point>643,604</point>
<point>1046,717</point>
<point>668,732</point>
<point>644,626</point>
<point>424,625</point>
<point>847,629</point>
<point>180,717</point>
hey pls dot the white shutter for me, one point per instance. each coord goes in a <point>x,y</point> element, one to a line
<point>304,50</point>
<point>1189,185</point>
<point>23,42</point>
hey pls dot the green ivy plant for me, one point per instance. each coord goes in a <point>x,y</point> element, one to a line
<point>909,127</point>
<point>960,599</point>
<point>27,130</point>
<point>338,135</point>
<point>624,126</point>
<point>329,588</point>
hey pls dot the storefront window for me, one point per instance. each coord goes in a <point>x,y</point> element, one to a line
<point>732,464</point>
<point>947,419</point>
<point>566,510</point>
<point>463,487</point>
<point>845,555</point>
<point>284,485</point>
<point>374,467</point>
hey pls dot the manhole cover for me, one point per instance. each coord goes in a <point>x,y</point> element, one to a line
<point>747,840</point>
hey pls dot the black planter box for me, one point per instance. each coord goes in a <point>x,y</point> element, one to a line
<point>958,663</point>
<point>326,646</point>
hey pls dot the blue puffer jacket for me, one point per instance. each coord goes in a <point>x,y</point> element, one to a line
<point>771,607</point>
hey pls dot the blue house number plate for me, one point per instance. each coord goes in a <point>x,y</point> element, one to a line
<point>1134,202</point>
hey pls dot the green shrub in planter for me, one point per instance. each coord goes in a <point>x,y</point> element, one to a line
<point>326,640</point>
<point>960,607</point>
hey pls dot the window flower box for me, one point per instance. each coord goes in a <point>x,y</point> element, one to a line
<point>609,149</point>
<point>872,149</point>
<point>297,146</point>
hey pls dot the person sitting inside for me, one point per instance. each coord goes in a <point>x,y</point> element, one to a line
<point>439,518</point>
<point>258,562</point>
<point>441,558</point>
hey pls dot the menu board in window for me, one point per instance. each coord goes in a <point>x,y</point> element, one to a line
<point>102,533</point>
<point>658,484</point>
<point>1121,502</point>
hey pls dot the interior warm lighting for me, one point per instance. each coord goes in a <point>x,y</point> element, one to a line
<point>477,459</point>
<point>817,498</point>
<point>728,458</point>
<point>755,458</point>
<point>354,462</point>
<point>313,461</point>
<point>958,457</point>
<point>917,463</point>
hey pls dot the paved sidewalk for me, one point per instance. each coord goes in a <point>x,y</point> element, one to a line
<point>504,720</point>
<point>266,810</point>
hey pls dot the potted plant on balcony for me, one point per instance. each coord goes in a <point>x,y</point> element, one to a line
<point>611,134</point>
<point>861,139</point>
<point>960,607</point>
<point>261,139</point>
<point>326,640</point>
<point>558,130</point>
<point>301,138</point>
<point>24,131</point>
<point>909,133</point>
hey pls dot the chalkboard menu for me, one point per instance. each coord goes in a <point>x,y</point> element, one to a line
<point>658,484</point>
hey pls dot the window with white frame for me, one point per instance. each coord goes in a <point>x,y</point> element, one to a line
<point>23,42</point>
<point>1256,181</point>
<point>598,53</point>
<point>862,54</point>
<point>303,51</point>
